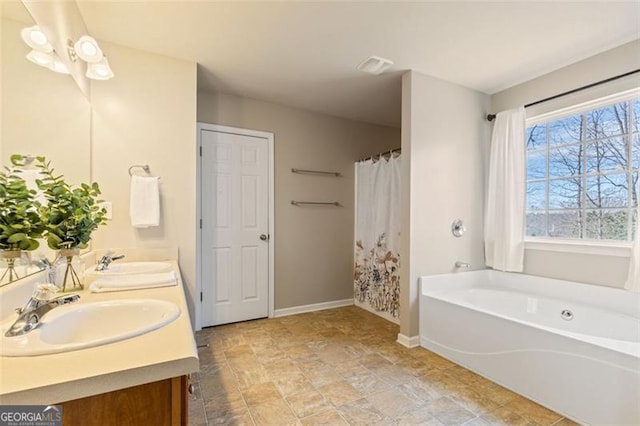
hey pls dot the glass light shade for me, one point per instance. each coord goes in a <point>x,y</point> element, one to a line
<point>88,50</point>
<point>40,58</point>
<point>35,39</point>
<point>100,70</point>
<point>58,66</point>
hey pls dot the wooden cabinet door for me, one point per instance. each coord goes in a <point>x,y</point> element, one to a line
<point>158,403</point>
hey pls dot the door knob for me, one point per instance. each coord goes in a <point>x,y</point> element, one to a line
<point>264,237</point>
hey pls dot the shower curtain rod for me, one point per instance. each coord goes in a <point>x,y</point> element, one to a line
<point>380,155</point>
<point>491,117</point>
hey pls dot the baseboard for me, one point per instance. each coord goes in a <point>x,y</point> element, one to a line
<point>312,308</point>
<point>409,342</point>
<point>386,315</point>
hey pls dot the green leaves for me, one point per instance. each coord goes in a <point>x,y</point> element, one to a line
<point>17,237</point>
<point>20,223</point>
<point>66,221</point>
<point>71,214</point>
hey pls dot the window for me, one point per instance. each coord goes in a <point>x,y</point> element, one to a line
<point>582,172</point>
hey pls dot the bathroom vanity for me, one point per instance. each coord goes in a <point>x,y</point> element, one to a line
<point>137,380</point>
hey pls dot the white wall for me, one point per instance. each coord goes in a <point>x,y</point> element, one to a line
<point>445,139</point>
<point>589,268</point>
<point>313,245</point>
<point>613,62</point>
<point>147,115</point>
<point>43,113</point>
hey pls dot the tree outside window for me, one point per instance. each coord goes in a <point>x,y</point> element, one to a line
<point>582,174</point>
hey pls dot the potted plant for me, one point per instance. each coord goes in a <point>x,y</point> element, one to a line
<point>70,215</point>
<point>20,224</point>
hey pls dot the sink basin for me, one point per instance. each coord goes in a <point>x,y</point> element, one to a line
<point>133,268</point>
<point>79,326</point>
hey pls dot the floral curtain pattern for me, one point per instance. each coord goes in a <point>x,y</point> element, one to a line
<point>377,258</point>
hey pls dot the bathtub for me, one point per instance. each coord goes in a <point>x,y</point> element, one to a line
<point>572,347</point>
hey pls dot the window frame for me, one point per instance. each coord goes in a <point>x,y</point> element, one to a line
<point>580,245</point>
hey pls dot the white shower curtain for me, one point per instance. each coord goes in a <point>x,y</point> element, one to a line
<point>504,215</point>
<point>633,282</point>
<point>377,251</point>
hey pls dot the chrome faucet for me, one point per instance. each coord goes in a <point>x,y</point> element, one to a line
<point>105,261</point>
<point>45,264</point>
<point>36,307</point>
<point>461,264</point>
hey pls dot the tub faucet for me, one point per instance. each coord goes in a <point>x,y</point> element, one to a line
<point>40,302</point>
<point>460,264</point>
<point>106,260</point>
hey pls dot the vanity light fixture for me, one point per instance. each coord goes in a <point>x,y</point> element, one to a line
<point>35,39</point>
<point>88,50</point>
<point>48,60</point>
<point>58,66</point>
<point>100,70</point>
<point>42,52</point>
<point>40,58</point>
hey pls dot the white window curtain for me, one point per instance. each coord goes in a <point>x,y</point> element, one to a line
<point>504,214</point>
<point>377,251</point>
<point>633,282</point>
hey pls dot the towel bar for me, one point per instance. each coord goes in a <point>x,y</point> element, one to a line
<point>144,167</point>
<point>315,172</point>
<point>316,203</point>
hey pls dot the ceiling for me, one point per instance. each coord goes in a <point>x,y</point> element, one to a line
<point>304,54</point>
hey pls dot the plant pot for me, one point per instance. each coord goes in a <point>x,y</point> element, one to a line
<point>69,270</point>
<point>8,259</point>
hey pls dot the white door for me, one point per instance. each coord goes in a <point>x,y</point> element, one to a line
<point>235,235</point>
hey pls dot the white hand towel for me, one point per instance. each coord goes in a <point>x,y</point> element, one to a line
<point>144,201</point>
<point>133,282</point>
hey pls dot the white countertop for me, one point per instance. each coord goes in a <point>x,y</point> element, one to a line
<point>160,354</point>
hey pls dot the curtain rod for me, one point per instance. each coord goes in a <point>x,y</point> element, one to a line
<point>380,155</point>
<point>491,117</point>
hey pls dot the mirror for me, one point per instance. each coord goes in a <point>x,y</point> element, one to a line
<point>42,112</point>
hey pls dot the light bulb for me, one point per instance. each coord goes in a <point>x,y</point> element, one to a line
<point>38,37</point>
<point>100,70</point>
<point>35,39</point>
<point>88,50</point>
<point>57,66</point>
<point>40,58</point>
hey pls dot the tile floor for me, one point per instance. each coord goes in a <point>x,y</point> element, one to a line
<point>339,367</point>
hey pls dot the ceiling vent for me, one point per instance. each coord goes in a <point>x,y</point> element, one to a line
<point>375,65</point>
